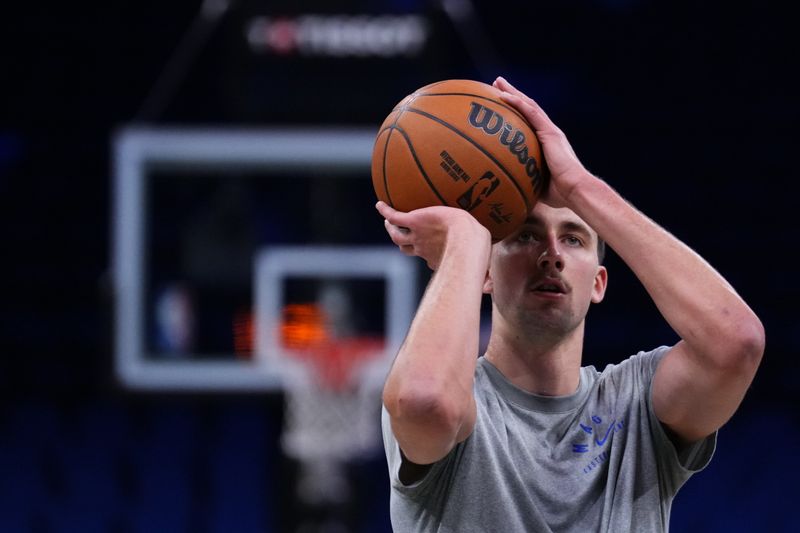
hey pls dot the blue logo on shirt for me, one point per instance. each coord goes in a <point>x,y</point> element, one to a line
<point>596,431</point>
<point>599,434</point>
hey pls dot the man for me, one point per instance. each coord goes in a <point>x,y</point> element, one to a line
<point>524,438</point>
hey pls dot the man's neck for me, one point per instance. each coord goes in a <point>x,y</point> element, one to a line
<point>538,366</point>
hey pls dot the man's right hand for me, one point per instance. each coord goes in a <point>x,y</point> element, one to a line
<point>427,232</point>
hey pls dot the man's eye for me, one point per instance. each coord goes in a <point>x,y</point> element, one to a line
<point>573,241</point>
<point>526,236</point>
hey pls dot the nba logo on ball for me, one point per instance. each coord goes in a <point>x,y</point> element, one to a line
<point>456,143</point>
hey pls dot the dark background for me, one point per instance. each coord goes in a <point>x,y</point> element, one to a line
<point>687,108</point>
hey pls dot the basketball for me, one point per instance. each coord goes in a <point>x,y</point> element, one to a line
<point>457,143</point>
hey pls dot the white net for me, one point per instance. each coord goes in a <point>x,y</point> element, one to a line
<point>324,429</point>
<point>325,423</point>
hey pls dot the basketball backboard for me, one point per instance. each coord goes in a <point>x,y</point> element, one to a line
<point>194,210</point>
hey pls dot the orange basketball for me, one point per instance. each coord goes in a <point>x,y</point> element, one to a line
<point>456,143</point>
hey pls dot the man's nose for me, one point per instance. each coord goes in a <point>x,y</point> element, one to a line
<point>551,258</point>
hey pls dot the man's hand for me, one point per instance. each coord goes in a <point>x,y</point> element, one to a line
<point>566,171</point>
<point>427,232</point>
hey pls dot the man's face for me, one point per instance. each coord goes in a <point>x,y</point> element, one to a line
<point>544,276</point>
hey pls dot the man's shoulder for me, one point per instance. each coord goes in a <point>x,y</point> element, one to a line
<point>645,361</point>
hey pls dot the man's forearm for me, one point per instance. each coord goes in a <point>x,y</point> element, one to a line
<point>428,392</point>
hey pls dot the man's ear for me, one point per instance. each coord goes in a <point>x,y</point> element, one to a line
<point>600,284</point>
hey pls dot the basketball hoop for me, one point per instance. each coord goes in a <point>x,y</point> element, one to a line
<point>330,417</point>
<point>328,320</point>
<point>329,414</point>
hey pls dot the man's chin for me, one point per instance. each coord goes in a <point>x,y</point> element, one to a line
<point>551,322</point>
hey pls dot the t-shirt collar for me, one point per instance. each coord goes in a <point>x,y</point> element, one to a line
<point>535,402</point>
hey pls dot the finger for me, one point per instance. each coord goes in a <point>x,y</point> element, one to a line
<point>395,217</point>
<point>401,229</point>
<point>384,209</point>
<point>534,114</point>
<point>400,236</point>
<point>390,214</point>
<point>506,87</point>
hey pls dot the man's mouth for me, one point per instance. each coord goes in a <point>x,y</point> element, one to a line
<point>550,286</point>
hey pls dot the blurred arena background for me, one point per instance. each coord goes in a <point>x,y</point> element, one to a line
<point>135,394</point>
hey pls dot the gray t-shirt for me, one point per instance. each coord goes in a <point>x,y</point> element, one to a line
<point>597,460</point>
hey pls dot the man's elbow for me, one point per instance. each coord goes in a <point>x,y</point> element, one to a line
<point>423,404</point>
<point>743,345</point>
<point>426,423</point>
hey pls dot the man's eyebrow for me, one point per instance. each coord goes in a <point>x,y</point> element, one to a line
<point>576,227</point>
<point>567,225</point>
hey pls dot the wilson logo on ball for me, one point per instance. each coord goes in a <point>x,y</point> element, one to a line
<point>493,123</point>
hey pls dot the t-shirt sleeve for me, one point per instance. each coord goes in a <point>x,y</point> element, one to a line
<point>675,467</point>
<point>391,447</point>
<point>394,459</point>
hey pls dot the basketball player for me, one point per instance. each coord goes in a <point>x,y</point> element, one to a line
<point>524,438</point>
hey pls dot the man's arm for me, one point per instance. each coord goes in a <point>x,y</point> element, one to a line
<point>702,380</point>
<point>429,390</point>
